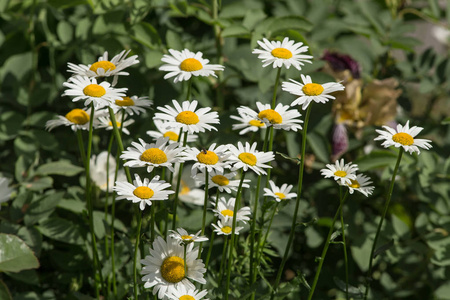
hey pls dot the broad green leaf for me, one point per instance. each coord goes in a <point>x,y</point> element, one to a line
<point>42,208</point>
<point>443,291</point>
<point>15,255</point>
<point>38,183</point>
<point>64,31</point>
<point>146,34</point>
<point>61,167</point>
<point>25,276</point>
<point>253,17</point>
<point>173,40</point>
<point>18,65</point>
<point>61,230</point>
<point>152,58</point>
<point>235,31</point>
<point>319,145</point>
<point>10,124</point>
<point>4,292</point>
<point>32,237</point>
<point>376,159</point>
<point>61,4</point>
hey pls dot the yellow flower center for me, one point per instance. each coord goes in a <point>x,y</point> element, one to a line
<point>143,192</point>
<point>226,229</point>
<point>340,173</point>
<point>94,90</point>
<point>271,115</point>
<point>172,269</point>
<point>77,116</point>
<point>186,237</point>
<point>256,123</point>
<point>154,156</point>
<point>172,135</point>
<point>208,158</point>
<point>281,53</point>
<point>281,195</point>
<point>312,89</point>
<point>187,117</point>
<point>186,297</point>
<point>127,101</point>
<point>103,64</point>
<point>248,158</point>
<point>403,138</point>
<point>190,65</point>
<point>184,190</point>
<point>227,212</point>
<point>220,180</point>
<point>355,184</point>
<point>117,123</point>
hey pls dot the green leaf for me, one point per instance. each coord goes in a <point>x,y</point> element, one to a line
<point>235,31</point>
<point>61,4</point>
<point>18,65</point>
<point>253,17</point>
<point>383,248</point>
<point>10,124</point>
<point>15,255</point>
<point>146,34</point>
<point>4,292</point>
<point>39,183</point>
<point>25,276</point>
<point>319,145</point>
<point>271,26</point>
<point>352,290</point>
<point>64,31</point>
<point>152,58</point>
<point>446,121</point>
<point>42,208</point>
<point>61,230</point>
<point>62,167</point>
<point>376,159</point>
<point>173,40</point>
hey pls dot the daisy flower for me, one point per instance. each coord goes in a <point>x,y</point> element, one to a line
<point>342,173</point>
<point>361,184</point>
<point>280,117</point>
<point>104,67</point>
<point>189,191</point>
<point>152,155</point>
<point>164,270</point>
<point>77,119</point>
<point>85,88</point>
<point>183,237</point>
<point>163,131</point>
<point>223,182</point>
<point>279,193</point>
<point>282,53</point>
<point>187,294</point>
<point>309,91</point>
<point>185,64</point>
<point>247,123</point>
<point>187,118</point>
<point>215,158</point>
<point>143,192</point>
<point>132,105</point>
<point>105,122</point>
<point>225,210</point>
<point>403,137</point>
<point>247,157</point>
<point>226,228</point>
<point>5,190</point>
<point>98,171</point>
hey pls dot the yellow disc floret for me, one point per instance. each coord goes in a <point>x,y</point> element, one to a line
<point>340,173</point>
<point>127,101</point>
<point>248,158</point>
<point>172,135</point>
<point>172,269</point>
<point>256,123</point>
<point>94,90</point>
<point>186,237</point>
<point>281,53</point>
<point>186,297</point>
<point>271,115</point>
<point>403,138</point>
<point>220,180</point>
<point>77,116</point>
<point>354,184</point>
<point>312,89</point>
<point>208,158</point>
<point>280,195</point>
<point>143,192</point>
<point>187,117</point>
<point>117,123</point>
<point>226,229</point>
<point>227,212</point>
<point>103,64</point>
<point>191,65</point>
<point>154,156</point>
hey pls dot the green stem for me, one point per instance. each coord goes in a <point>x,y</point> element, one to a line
<point>224,258</point>
<point>113,218</point>
<point>152,213</point>
<point>345,246</point>
<point>386,207</point>
<point>213,233</point>
<point>219,45</point>
<point>177,190</point>
<point>111,139</point>
<point>184,259</point>
<point>81,146</point>
<point>325,248</point>
<point>205,205</point>
<point>136,250</point>
<point>188,94</point>
<point>297,203</point>
<point>259,255</point>
<point>275,88</point>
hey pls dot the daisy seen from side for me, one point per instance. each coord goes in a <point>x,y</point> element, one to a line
<point>182,293</point>
<point>100,175</point>
<point>403,136</point>
<point>213,158</point>
<point>285,53</point>
<point>341,172</point>
<point>279,193</point>
<point>225,182</point>
<point>226,228</point>
<point>163,131</point>
<point>225,210</point>
<point>183,237</point>
<point>105,122</point>
<point>361,184</point>
<point>309,91</point>
<point>77,119</point>
<point>246,123</point>
<point>184,64</point>
<point>132,105</point>
<point>247,157</point>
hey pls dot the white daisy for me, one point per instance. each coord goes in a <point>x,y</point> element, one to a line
<point>77,119</point>
<point>247,157</point>
<point>185,64</point>
<point>309,91</point>
<point>85,88</point>
<point>104,67</point>
<point>172,135</point>
<point>342,173</point>
<point>247,123</point>
<point>279,193</point>
<point>225,210</point>
<point>164,269</point>
<point>105,122</point>
<point>282,53</point>
<point>280,117</point>
<point>189,187</point>
<point>403,137</point>
<point>143,192</point>
<point>5,190</point>
<point>215,158</point>
<point>98,171</point>
<point>152,155</point>
<point>182,293</point>
<point>131,105</point>
<point>183,237</point>
<point>361,184</point>
<point>187,118</point>
<point>223,182</point>
<point>226,228</point>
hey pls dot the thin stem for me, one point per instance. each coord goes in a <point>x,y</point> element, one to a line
<point>113,218</point>
<point>184,259</point>
<point>188,94</point>
<point>345,246</point>
<point>177,190</point>
<point>386,207</point>
<point>205,205</point>
<point>111,139</point>
<point>219,45</point>
<point>81,146</point>
<point>224,258</point>
<point>152,213</point>
<point>297,203</point>
<point>136,250</point>
<point>325,248</point>
<point>213,233</point>
<point>275,88</point>
<point>259,255</point>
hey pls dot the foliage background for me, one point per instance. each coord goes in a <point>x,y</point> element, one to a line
<point>39,37</point>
